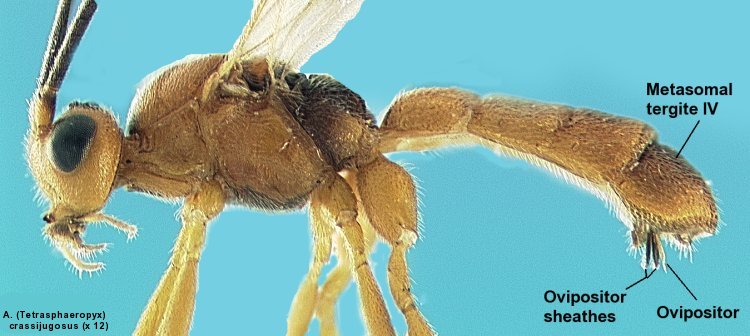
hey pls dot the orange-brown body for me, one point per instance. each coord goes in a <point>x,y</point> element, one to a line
<point>267,153</point>
<point>245,128</point>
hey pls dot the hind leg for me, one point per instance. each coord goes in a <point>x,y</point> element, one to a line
<point>388,196</point>
<point>337,280</point>
<point>336,198</point>
<point>339,277</point>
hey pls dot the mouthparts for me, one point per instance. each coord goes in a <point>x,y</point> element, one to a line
<point>66,235</point>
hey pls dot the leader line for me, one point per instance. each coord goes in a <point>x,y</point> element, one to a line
<point>688,138</point>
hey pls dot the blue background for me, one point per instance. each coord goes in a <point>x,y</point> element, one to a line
<point>497,234</point>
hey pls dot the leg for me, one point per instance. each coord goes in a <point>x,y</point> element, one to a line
<point>305,300</point>
<point>338,199</point>
<point>338,279</point>
<point>170,309</point>
<point>389,199</point>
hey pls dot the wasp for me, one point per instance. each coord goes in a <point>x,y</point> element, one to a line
<point>248,128</point>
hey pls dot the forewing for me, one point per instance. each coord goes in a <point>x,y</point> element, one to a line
<point>290,31</point>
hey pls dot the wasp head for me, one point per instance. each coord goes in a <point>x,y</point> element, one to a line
<point>73,159</point>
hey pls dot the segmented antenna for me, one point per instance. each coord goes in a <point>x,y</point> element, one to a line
<point>69,44</point>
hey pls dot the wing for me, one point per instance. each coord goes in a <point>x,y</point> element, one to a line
<point>288,32</point>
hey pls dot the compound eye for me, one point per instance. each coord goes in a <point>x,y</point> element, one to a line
<point>71,139</point>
